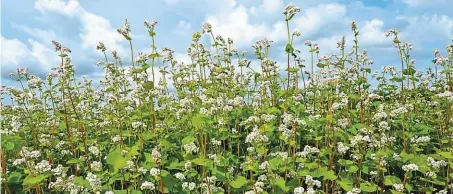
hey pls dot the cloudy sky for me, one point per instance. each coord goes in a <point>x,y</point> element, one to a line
<point>29,26</point>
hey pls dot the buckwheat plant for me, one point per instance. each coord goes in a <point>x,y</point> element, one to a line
<point>224,124</point>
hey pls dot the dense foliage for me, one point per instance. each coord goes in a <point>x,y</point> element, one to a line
<point>222,124</point>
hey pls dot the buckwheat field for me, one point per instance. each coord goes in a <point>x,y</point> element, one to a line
<point>322,124</point>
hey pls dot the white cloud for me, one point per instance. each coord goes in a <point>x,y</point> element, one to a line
<point>324,18</point>
<point>13,51</point>
<point>422,2</point>
<point>372,34</point>
<point>267,7</point>
<point>69,8</point>
<point>315,18</point>
<point>45,36</point>
<point>235,24</point>
<point>46,57</point>
<point>428,27</point>
<point>183,27</point>
<point>94,28</point>
<point>182,57</point>
<point>97,29</point>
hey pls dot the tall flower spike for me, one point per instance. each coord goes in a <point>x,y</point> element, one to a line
<point>57,45</point>
<point>127,25</point>
<point>101,47</point>
<point>391,32</point>
<point>150,25</point>
<point>207,28</point>
<point>354,26</point>
<point>291,9</point>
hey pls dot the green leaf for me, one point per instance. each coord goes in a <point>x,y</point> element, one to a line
<point>74,161</point>
<point>116,160</point>
<point>198,120</point>
<point>408,187</point>
<point>169,182</point>
<point>14,177</point>
<point>345,184</point>
<point>9,146</point>
<point>79,181</point>
<point>289,48</point>
<point>390,180</point>
<point>280,183</point>
<point>368,187</point>
<point>134,150</point>
<point>274,163</point>
<point>273,110</point>
<point>239,182</point>
<point>155,55</point>
<point>330,175</point>
<point>447,155</point>
<point>353,169</point>
<point>188,139</point>
<point>31,180</point>
<point>200,161</point>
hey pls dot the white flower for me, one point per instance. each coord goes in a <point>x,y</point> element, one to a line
<point>115,139</point>
<point>18,161</point>
<point>58,171</point>
<point>396,157</point>
<point>96,166</point>
<point>147,186</point>
<point>299,190</point>
<point>436,164</point>
<point>180,176</point>
<point>290,9</point>
<point>444,191</point>
<point>188,186</point>
<point>307,150</point>
<point>142,170</point>
<point>191,148</point>
<point>398,187</point>
<point>262,177</point>
<point>354,191</point>
<point>207,27</point>
<point>137,124</point>
<point>214,158</point>
<point>130,165</point>
<point>422,139</point>
<point>256,137</point>
<point>94,181</point>
<point>312,182</point>
<point>156,155</point>
<point>154,172</point>
<point>342,149</point>
<point>43,166</point>
<point>430,174</point>
<point>264,165</point>
<point>94,150</point>
<point>410,167</point>
<point>215,142</point>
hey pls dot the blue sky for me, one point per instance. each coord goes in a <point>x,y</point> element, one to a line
<point>29,26</point>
